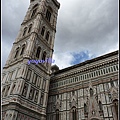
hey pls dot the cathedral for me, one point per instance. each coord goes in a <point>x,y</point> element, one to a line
<point>85,91</point>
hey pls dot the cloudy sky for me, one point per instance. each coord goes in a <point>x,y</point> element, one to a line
<point>85,29</point>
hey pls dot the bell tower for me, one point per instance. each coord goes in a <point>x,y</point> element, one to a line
<point>25,86</point>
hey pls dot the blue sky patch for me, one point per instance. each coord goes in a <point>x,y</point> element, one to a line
<point>80,57</point>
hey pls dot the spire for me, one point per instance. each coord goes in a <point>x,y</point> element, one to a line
<point>92,105</point>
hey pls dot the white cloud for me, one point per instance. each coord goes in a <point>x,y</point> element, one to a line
<point>63,60</point>
<point>82,25</point>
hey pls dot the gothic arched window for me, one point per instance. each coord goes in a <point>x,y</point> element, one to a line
<point>23,48</point>
<point>91,92</point>
<point>38,52</point>
<point>48,15</point>
<point>74,115</point>
<point>17,51</point>
<point>44,56</point>
<point>30,27</point>
<point>43,31</point>
<point>34,10</point>
<point>57,114</point>
<point>24,32</point>
<point>47,35</point>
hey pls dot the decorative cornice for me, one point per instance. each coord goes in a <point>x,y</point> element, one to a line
<point>88,62</point>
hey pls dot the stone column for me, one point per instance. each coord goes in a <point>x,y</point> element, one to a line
<point>39,96</point>
<point>41,83</point>
<point>47,86</point>
<point>14,74</point>
<point>32,76</point>
<point>6,87</point>
<point>37,23</point>
<point>20,86</point>
<point>34,95</point>
<point>5,78</point>
<point>28,91</point>
<point>45,99</point>
<point>24,71</point>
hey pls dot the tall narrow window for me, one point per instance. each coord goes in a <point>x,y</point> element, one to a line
<point>117,67</point>
<point>3,91</point>
<point>81,77</point>
<point>96,73</point>
<point>30,27</point>
<point>100,106</point>
<point>44,56</point>
<point>34,10</point>
<point>111,69</point>
<point>57,114</point>
<point>47,35</point>
<point>17,51</point>
<point>116,106</point>
<point>92,74</point>
<point>23,48</point>
<point>103,71</point>
<point>43,31</point>
<point>85,108</point>
<point>24,32</point>
<point>48,15</point>
<point>91,92</point>
<point>38,52</point>
<point>74,113</point>
<point>114,68</point>
<point>41,100</point>
<point>33,13</point>
<point>106,70</point>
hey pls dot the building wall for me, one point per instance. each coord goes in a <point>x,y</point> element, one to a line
<point>25,87</point>
<point>77,79</point>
